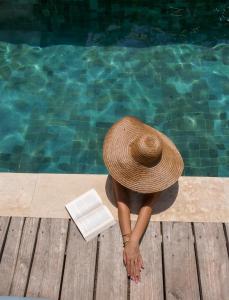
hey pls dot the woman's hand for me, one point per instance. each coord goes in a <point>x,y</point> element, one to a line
<point>133,260</point>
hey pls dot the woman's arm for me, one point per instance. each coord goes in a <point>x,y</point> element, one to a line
<point>133,257</point>
<point>121,197</point>
<point>144,216</point>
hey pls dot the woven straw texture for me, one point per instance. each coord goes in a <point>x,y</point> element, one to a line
<point>140,157</point>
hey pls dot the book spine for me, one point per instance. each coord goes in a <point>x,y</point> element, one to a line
<point>89,211</point>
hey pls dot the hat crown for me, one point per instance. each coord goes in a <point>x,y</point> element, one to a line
<point>147,150</point>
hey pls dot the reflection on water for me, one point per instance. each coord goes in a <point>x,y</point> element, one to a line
<point>58,102</point>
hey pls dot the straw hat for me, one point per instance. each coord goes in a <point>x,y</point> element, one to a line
<point>140,157</point>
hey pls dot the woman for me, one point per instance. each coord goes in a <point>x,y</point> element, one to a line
<point>144,160</point>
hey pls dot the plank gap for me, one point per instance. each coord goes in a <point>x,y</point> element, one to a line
<point>197,261</point>
<point>226,238</point>
<point>162,262</point>
<point>31,263</point>
<point>65,254</point>
<point>128,288</point>
<point>96,267</point>
<point>4,240</point>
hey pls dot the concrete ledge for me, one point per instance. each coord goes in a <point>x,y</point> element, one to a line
<point>191,199</point>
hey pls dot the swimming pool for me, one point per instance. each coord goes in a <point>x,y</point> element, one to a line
<point>64,80</point>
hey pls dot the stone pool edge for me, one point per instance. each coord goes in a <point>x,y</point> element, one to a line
<point>44,195</point>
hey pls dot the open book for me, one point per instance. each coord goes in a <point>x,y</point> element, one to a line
<point>90,214</point>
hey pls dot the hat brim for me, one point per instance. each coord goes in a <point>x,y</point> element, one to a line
<point>131,174</point>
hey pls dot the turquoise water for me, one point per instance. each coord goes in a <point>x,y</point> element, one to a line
<point>70,69</point>
<point>57,103</point>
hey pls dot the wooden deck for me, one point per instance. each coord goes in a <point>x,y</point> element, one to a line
<point>49,258</point>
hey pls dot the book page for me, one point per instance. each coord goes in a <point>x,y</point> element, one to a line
<point>100,230</point>
<point>94,220</point>
<point>83,204</point>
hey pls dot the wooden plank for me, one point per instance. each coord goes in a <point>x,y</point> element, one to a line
<point>151,284</point>
<point>4,221</point>
<point>9,256</point>
<point>24,257</point>
<point>112,277</point>
<point>213,260</point>
<point>46,271</point>
<point>181,279</point>
<point>79,271</point>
